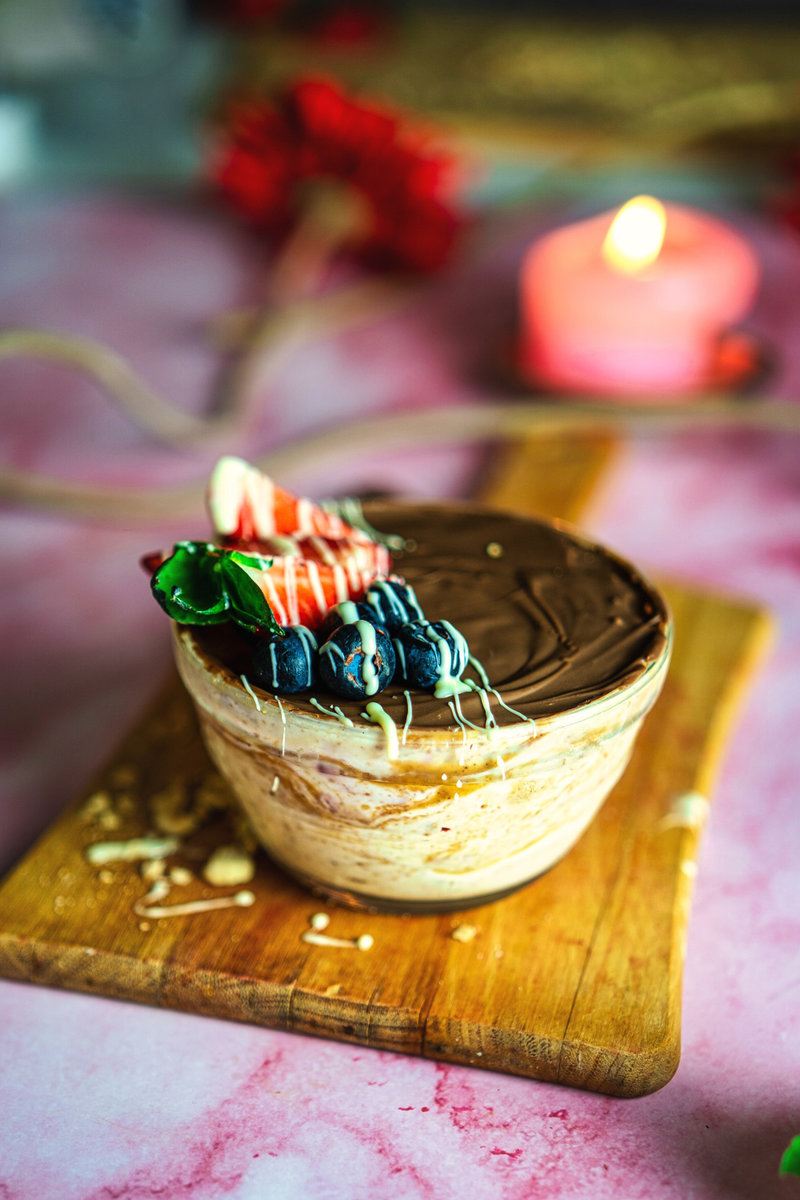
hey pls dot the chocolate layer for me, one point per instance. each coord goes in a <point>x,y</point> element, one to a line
<point>555,621</point>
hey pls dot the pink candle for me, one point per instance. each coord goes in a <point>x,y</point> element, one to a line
<point>637,308</point>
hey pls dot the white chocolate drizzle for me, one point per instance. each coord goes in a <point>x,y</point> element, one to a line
<point>242,899</point>
<point>479,670</point>
<point>369,676</point>
<point>283,723</point>
<point>349,509</point>
<point>134,850</point>
<point>459,720</point>
<point>460,717</point>
<point>312,570</point>
<point>379,716</point>
<point>348,611</point>
<point>364,942</point>
<point>508,708</point>
<point>409,712</point>
<point>483,695</point>
<point>250,692</point>
<point>689,811</point>
<point>333,711</point>
<point>395,605</point>
<point>235,484</point>
<point>274,600</point>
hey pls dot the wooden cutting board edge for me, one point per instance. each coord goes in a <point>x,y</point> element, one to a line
<point>637,1073</point>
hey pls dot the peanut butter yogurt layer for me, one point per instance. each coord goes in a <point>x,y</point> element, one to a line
<point>415,801</point>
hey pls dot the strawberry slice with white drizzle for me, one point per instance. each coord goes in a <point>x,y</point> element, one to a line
<point>312,558</point>
<point>246,506</point>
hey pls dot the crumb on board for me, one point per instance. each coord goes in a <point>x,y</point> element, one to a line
<point>109,819</point>
<point>464,932</point>
<point>133,850</point>
<point>99,802</point>
<point>172,812</point>
<point>229,866</point>
<point>153,868</point>
<point>181,876</point>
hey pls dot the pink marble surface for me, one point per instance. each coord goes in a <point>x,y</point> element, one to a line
<point>102,1099</point>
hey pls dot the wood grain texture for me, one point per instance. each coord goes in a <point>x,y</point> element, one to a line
<point>547,474</point>
<point>576,978</point>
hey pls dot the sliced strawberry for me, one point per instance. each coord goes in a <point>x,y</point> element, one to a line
<point>317,558</point>
<point>246,507</point>
<point>301,590</point>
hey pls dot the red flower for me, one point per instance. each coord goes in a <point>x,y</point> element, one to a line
<point>271,151</point>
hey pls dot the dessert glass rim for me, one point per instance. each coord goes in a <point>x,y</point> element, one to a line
<point>621,694</point>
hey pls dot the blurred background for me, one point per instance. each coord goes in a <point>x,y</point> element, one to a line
<point>119,90</point>
<point>307,232</point>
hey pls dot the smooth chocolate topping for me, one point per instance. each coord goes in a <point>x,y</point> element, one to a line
<point>554,620</point>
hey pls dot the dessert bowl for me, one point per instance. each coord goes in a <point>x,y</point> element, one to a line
<point>414,801</point>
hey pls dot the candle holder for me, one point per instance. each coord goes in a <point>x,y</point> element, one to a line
<point>741,363</point>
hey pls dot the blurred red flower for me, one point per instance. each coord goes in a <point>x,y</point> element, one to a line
<point>272,152</point>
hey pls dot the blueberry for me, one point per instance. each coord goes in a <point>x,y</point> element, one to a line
<point>393,603</point>
<point>345,614</point>
<point>357,660</point>
<point>430,653</point>
<point>286,664</point>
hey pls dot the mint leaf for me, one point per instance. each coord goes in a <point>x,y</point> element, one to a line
<point>200,584</point>
<point>188,585</point>
<point>256,562</point>
<point>790,1162</point>
<point>246,602</point>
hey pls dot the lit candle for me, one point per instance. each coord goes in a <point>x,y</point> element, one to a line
<point>633,302</point>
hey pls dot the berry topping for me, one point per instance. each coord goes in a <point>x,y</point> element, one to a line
<point>286,663</point>
<point>394,603</point>
<point>246,506</point>
<point>346,613</point>
<point>357,660</point>
<point>276,560</point>
<point>317,559</point>
<point>300,591</point>
<point>432,656</point>
<point>200,584</point>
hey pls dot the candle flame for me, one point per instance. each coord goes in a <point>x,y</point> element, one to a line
<point>636,235</point>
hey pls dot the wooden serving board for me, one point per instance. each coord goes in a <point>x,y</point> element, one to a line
<point>574,979</point>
